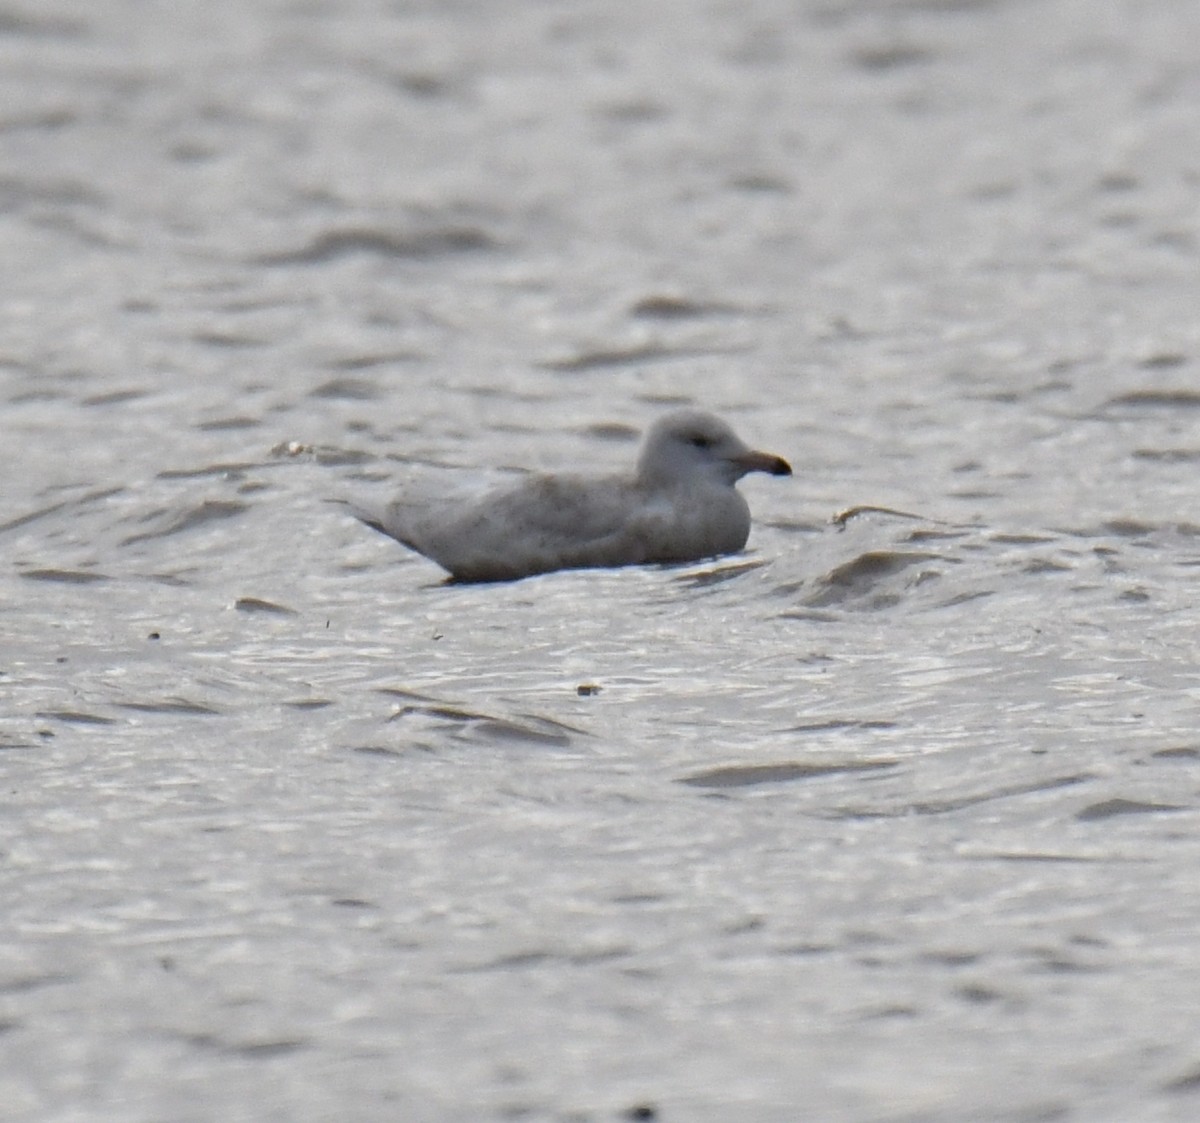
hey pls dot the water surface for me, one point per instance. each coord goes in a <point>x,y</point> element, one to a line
<point>892,818</point>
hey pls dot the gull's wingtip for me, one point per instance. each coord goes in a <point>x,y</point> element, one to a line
<point>372,518</point>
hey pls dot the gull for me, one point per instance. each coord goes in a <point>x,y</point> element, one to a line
<point>679,504</point>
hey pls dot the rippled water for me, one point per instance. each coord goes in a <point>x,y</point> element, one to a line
<point>892,818</point>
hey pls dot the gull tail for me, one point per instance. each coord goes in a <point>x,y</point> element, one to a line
<point>371,516</point>
<point>385,520</point>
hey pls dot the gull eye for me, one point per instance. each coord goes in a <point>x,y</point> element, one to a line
<point>700,441</point>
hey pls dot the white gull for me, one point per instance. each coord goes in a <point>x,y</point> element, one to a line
<point>679,505</point>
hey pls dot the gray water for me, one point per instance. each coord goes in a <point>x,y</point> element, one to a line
<point>893,818</point>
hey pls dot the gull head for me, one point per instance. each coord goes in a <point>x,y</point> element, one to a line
<point>691,445</point>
